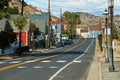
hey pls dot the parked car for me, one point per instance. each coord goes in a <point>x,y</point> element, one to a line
<point>59,44</point>
<point>68,41</point>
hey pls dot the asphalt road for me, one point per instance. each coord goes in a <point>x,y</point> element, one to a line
<point>71,62</point>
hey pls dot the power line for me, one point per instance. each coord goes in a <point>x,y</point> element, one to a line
<point>67,8</point>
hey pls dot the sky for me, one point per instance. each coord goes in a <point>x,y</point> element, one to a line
<point>95,7</point>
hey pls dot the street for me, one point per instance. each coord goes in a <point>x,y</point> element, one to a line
<point>71,62</point>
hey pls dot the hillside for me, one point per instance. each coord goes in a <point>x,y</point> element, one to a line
<point>88,19</point>
<point>28,9</point>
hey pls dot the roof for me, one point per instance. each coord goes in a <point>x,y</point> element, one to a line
<point>40,24</point>
<point>35,17</point>
<point>95,27</point>
<point>5,24</point>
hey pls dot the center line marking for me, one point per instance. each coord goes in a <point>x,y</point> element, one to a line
<point>22,63</point>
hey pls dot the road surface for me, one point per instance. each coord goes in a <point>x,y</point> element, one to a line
<point>70,62</point>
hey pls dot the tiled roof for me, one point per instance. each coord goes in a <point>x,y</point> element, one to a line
<point>35,16</point>
<point>95,27</point>
<point>5,24</point>
<point>40,20</point>
<point>40,24</point>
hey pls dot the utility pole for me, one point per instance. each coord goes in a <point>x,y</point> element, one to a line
<point>22,7</point>
<point>111,9</point>
<point>49,23</point>
<point>61,24</point>
<point>20,33</point>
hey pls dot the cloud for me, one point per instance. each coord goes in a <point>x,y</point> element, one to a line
<point>91,6</point>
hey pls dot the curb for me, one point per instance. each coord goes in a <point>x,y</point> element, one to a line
<point>8,57</point>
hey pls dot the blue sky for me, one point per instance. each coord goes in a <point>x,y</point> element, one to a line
<point>95,7</point>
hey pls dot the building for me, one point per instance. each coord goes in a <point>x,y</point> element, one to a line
<point>57,29</point>
<point>84,33</point>
<point>41,23</point>
<point>4,24</point>
<point>25,38</point>
<point>95,30</point>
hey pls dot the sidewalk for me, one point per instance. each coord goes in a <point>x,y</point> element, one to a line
<point>93,71</point>
<point>99,70</point>
<point>105,74</point>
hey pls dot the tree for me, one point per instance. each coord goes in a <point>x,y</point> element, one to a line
<point>5,11</point>
<point>32,32</point>
<point>6,37</point>
<point>33,28</point>
<point>4,15</point>
<point>3,3</point>
<point>20,22</point>
<point>114,33</point>
<point>3,41</point>
<point>12,10</point>
<point>72,20</point>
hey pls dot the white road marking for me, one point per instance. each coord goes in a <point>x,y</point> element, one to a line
<point>53,67</point>
<point>77,61</point>
<point>46,61</point>
<point>21,67</point>
<point>61,61</point>
<point>14,62</point>
<point>2,62</point>
<point>36,67</point>
<point>51,78</point>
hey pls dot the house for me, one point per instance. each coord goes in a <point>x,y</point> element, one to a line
<point>25,38</point>
<point>95,30</point>
<point>84,33</point>
<point>57,29</point>
<point>5,24</point>
<point>41,23</point>
<point>78,31</point>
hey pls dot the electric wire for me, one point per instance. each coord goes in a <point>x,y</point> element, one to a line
<point>92,9</point>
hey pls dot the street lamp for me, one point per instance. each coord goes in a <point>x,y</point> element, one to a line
<point>110,6</point>
<point>106,56</point>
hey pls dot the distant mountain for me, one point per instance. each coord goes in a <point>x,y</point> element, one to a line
<point>28,9</point>
<point>88,19</point>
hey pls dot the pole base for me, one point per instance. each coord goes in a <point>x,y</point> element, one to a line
<point>111,69</point>
<point>106,60</point>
